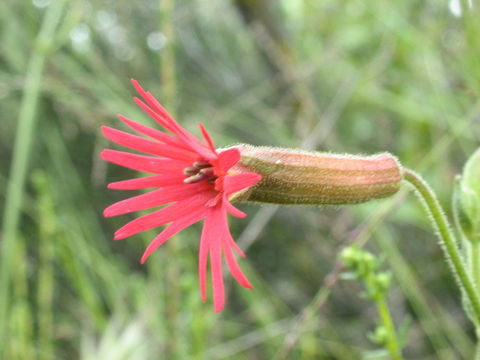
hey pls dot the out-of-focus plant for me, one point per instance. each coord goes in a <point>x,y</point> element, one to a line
<point>364,266</point>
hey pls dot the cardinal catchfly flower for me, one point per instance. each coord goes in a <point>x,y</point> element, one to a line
<point>195,181</point>
<point>192,181</point>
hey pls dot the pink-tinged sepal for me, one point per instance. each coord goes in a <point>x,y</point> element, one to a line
<point>314,178</point>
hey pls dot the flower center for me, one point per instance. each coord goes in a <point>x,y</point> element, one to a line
<point>199,171</point>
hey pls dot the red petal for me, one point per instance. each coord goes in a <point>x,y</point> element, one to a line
<point>213,232</point>
<point>235,247</point>
<point>207,137</point>
<point>202,264</point>
<point>176,129</point>
<point>143,163</point>
<point>161,217</point>
<point>154,133</point>
<point>148,182</point>
<point>235,212</point>
<point>171,230</point>
<point>233,265</point>
<point>234,183</point>
<point>154,198</point>
<point>158,118</point>
<point>232,210</point>
<point>227,158</point>
<point>145,145</point>
<point>161,115</point>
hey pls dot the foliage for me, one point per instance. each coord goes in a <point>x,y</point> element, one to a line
<point>349,76</point>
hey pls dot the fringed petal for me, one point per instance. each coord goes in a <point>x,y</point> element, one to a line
<point>226,159</point>
<point>161,217</point>
<point>147,146</point>
<point>232,210</point>
<point>154,133</point>
<point>233,265</point>
<point>212,232</point>
<point>207,137</point>
<point>171,230</point>
<point>143,163</point>
<point>147,182</point>
<point>154,198</point>
<point>203,262</point>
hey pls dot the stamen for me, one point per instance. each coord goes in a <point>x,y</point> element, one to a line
<point>199,171</point>
<point>194,179</point>
<point>207,172</point>
<point>201,164</point>
<point>190,171</point>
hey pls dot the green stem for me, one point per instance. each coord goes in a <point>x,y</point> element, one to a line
<point>447,239</point>
<point>475,262</point>
<point>21,153</point>
<point>477,351</point>
<point>387,322</point>
<point>168,94</point>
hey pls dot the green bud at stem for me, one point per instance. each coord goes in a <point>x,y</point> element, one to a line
<point>314,178</point>
<point>468,201</point>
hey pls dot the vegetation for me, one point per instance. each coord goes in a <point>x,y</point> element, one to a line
<point>347,77</point>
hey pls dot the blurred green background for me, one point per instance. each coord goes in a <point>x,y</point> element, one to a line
<point>352,76</point>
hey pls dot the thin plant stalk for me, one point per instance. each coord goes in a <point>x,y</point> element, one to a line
<point>387,322</point>
<point>475,261</point>
<point>169,89</point>
<point>21,152</point>
<point>447,239</point>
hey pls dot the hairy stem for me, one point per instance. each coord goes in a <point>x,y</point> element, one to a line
<point>475,262</point>
<point>447,239</point>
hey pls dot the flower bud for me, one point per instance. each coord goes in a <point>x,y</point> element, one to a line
<point>314,178</point>
<point>469,198</point>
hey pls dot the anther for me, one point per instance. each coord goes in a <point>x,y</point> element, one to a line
<point>194,179</point>
<point>199,171</point>
<point>190,171</point>
<point>207,172</point>
<point>201,164</point>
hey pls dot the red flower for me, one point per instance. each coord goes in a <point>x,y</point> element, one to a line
<point>193,177</point>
